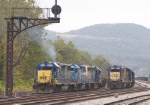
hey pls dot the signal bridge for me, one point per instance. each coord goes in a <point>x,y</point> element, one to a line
<point>20,20</point>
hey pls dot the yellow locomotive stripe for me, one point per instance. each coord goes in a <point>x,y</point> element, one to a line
<point>87,74</point>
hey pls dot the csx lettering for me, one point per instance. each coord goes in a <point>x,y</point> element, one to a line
<point>114,75</point>
<point>42,77</point>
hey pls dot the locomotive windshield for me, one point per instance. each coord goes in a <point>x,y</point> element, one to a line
<point>46,68</point>
<point>115,70</point>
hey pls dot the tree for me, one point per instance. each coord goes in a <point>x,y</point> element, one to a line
<point>102,63</point>
<point>34,56</point>
<point>67,53</point>
<point>1,60</point>
<point>23,41</point>
<point>6,12</point>
<point>86,58</point>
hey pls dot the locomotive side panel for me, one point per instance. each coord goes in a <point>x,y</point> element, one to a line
<point>46,76</point>
<point>64,74</point>
<point>83,75</point>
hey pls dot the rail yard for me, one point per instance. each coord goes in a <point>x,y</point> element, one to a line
<point>70,83</point>
<point>77,97</point>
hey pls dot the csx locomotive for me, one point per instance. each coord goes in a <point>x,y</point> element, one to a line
<point>55,77</point>
<point>120,77</point>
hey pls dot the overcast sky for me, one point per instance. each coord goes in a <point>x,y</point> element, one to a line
<point>81,13</point>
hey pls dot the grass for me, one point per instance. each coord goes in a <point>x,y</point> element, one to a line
<point>2,87</point>
<point>19,86</point>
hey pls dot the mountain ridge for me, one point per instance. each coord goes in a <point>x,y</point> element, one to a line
<point>123,44</point>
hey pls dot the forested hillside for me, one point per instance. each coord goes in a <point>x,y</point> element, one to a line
<point>123,44</point>
<point>32,47</point>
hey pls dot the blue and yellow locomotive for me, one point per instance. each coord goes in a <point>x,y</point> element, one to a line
<point>45,78</point>
<point>90,76</point>
<point>120,77</point>
<point>56,77</point>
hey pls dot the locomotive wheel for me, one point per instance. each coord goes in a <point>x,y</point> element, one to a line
<point>117,85</point>
<point>92,86</point>
<point>55,89</point>
<point>79,87</point>
<point>59,88</point>
<point>42,89</point>
<point>130,84</point>
<point>120,86</point>
<point>50,89</point>
<point>111,86</point>
<point>70,88</point>
<point>76,88</point>
<point>87,87</point>
<point>126,85</point>
<point>99,85</point>
<point>108,85</point>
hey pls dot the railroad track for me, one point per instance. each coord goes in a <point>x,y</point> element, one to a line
<point>131,101</point>
<point>63,97</point>
<point>142,83</point>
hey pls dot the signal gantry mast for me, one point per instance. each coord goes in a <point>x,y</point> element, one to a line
<point>18,23</point>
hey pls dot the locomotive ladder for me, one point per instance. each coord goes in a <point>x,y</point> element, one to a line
<point>15,25</point>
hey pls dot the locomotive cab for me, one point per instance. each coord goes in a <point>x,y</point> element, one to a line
<point>46,75</point>
<point>120,77</point>
<point>115,74</point>
<point>114,77</point>
<point>97,74</point>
